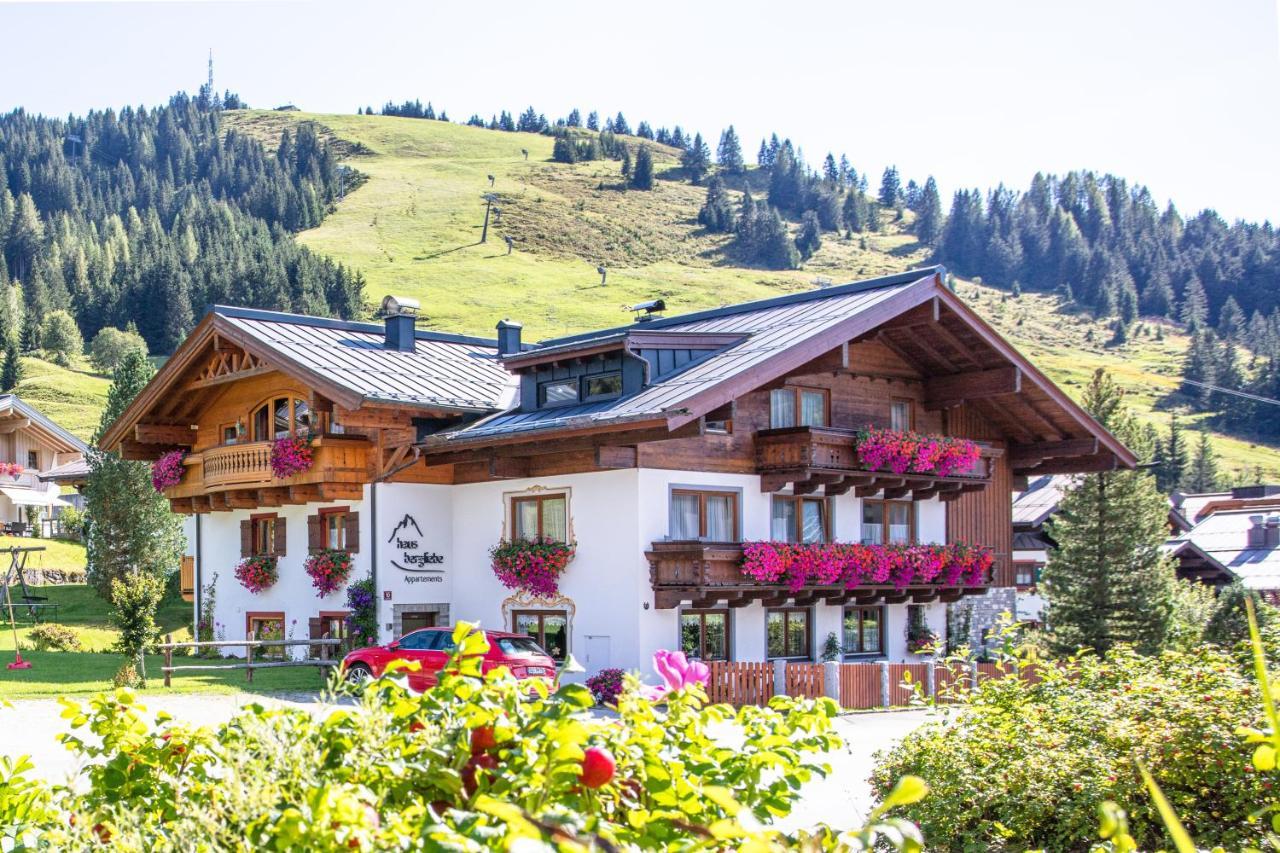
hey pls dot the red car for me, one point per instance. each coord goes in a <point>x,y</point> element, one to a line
<point>431,648</point>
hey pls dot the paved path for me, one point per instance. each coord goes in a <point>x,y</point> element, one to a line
<point>30,728</point>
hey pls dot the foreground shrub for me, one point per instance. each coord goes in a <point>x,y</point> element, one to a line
<point>1028,765</point>
<point>50,637</point>
<point>472,764</point>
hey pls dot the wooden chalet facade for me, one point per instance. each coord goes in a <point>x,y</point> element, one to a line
<point>657,448</point>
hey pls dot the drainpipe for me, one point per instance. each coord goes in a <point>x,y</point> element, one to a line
<point>373,557</point>
<point>199,578</point>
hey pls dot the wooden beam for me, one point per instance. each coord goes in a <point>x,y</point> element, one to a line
<point>341,491</point>
<point>234,376</point>
<point>536,444</point>
<point>218,501</point>
<point>164,434</point>
<point>272,497</point>
<point>1078,465</point>
<point>180,506</point>
<point>303,494</point>
<point>10,425</point>
<point>509,467</point>
<point>941,392</point>
<point>815,481</point>
<point>241,500</point>
<point>200,503</point>
<point>1031,455</point>
<point>614,456</point>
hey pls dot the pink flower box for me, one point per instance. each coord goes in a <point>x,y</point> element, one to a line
<point>903,452</point>
<point>167,471</point>
<point>852,564</point>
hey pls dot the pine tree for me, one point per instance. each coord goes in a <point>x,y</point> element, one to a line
<point>809,239</point>
<point>626,162</point>
<point>830,171</point>
<point>1195,305</point>
<point>130,526</point>
<point>1171,468</point>
<point>11,374</point>
<point>1203,476</point>
<point>620,125</point>
<point>564,150</point>
<point>574,119</point>
<point>852,212</point>
<point>1230,320</point>
<point>890,188</point>
<point>696,159</point>
<point>1109,582</point>
<point>644,131</point>
<point>762,156</point>
<point>729,152</point>
<point>593,120</point>
<point>642,172</point>
<point>774,245</point>
<point>928,225</point>
<point>717,214</point>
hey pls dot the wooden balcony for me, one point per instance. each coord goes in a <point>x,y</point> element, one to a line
<point>238,476</point>
<point>708,574</point>
<point>813,458</point>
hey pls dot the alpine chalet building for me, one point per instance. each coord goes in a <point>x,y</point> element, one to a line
<point>744,483</point>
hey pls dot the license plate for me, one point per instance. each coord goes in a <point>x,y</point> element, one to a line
<point>536,670</point>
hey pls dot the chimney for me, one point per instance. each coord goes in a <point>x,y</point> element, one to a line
<point>1271,535</point>
<point>399,314</point>
<point>1257,533</point>
<point>508,338</point>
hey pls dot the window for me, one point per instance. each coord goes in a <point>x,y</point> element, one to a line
<point>333,527</point>
<point>559,393</point>
<point>863,630</point>
<point>888,522</point>
<point>800,519</point>
<point>603,387</point>
<point>1025,574</point>
<point>264,535</point>
<point>548,628</point>
<point>720,427</point>
<point>33,460</point>
<point>281,418</point>
<point>540,517</point>
<point>704,634</point>
<point>229,433</point>
<point>265,626</point>
<point>902,415</point>
<point>787,632</point>
<point>418,641</point>
<point>707,515</point>
<point>790,407</point>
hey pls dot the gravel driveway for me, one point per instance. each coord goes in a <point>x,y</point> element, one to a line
<point>30,728</point>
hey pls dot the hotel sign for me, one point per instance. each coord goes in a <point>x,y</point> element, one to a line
<point>408,555</point>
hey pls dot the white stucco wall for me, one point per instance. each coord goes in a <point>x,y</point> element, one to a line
<point>442,558</point>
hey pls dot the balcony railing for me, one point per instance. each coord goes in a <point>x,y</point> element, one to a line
<point>812,458</point>
<point>709,574</point>
<point>242,467</point>
<point>237,465</point>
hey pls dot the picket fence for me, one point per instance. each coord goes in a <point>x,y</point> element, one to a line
<point>856,686</point>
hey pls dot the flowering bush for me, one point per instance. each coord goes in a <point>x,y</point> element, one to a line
<point>362,616</point>
<point>853,564</point>
<point>533,565</point>
<point>901,452</point>
<point>920,638</point>
<point>328,570</point>
<point>606,686</point>
<point>166,472</point>
<point>290,456</point>
<point>13,469</point>
<point>257,574</point>
<point>472,764</point>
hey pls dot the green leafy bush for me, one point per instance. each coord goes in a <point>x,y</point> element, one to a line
<point>1027,765</point>
<point>472,764</point>
<point>50,637</point>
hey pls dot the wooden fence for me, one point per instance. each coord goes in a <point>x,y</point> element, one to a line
<point>855,685</point>
<point>249,644</point>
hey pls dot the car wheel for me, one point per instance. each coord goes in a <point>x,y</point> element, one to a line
<point>358,673</point>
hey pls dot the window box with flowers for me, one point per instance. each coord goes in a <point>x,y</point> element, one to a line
<point>851,564</point>
<point>531,565</point>
<point>167,471</point>
<point>329,570</point>
<point>258,573</point>
<point>291,456</point>
<point>905,452</point>
<point>12,469</point>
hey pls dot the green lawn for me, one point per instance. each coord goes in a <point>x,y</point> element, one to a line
<point>72,397</point>
<point>80,608</point>
<point>64,554</point>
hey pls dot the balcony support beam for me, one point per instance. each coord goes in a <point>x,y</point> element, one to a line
<point>943,392</point>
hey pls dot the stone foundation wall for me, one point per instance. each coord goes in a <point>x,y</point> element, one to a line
<point>970,619</point>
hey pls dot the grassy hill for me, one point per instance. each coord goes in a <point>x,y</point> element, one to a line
<point>413,228</point>
<point>73,397</point>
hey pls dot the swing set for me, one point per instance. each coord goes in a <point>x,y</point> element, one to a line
<point>33,603</point>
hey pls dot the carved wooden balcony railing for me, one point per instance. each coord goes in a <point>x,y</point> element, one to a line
<point>709,574</point>
<point>239,476</point>
<point>813,458</point>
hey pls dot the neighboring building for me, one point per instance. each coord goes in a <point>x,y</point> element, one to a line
<point>1032,507</point>
<point>39,448</point>
<point>658,448</point>
<point>1230,536</point>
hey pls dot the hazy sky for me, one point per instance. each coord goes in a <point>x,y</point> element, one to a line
<point>1181,95</point>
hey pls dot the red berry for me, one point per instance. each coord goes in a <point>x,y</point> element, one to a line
<point>470,772</point>
<point>598,767</point>
<point>482,739</point>
<point>103,833</point>
<point>417,726</point>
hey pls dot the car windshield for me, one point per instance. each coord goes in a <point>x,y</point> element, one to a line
<point>521,647</point>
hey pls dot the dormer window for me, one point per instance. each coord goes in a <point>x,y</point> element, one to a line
<point>603,387</point>
<point>562,392</point>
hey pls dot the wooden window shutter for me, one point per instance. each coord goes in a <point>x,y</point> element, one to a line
<point>352,534</point>
<point>315,533</point>
<point>246,538</point>
<point>280,537</point>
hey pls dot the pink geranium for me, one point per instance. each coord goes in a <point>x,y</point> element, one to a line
<point>677,673</point>
<point>532,565</point>
<point>902,452</point>
<point>290,456</point>
<point>167,471</point>
<point>852,564</point>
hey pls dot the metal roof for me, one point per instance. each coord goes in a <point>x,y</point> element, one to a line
<point>12,402</point>
<point>768,326</point>
<point>445,371</point>
<point>1031,508</point>
<point>1222,538</point>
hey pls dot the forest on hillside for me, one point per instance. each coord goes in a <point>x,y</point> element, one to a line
<point>144,216</point>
